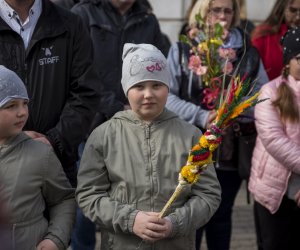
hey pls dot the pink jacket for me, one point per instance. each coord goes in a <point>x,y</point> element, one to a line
<point>277,150</point>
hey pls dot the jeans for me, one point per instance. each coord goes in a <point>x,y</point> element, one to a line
<point>83,235</point>
<point>218,229</point>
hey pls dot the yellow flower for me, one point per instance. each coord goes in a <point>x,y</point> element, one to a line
<point>213,147</point>
<point>202,47</point>
<point>203,142</point>
<point>188,175</point>
<point>218,42</point>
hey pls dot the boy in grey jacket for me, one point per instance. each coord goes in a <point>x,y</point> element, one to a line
<point>32,177</point>
<point>131,163</point>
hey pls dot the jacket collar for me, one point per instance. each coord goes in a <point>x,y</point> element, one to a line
<point>129,115</point>
<point>12,143</point>
<point>50,23</point>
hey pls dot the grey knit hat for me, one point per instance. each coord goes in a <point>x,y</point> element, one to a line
<point>291,44</point>
<point>143,62</point>
<point>11,86</point>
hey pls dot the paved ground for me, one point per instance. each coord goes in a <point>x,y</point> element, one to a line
<point>243,235</point>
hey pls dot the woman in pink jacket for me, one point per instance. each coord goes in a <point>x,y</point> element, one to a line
<point>275,173</point>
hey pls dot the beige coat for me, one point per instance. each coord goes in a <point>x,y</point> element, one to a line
<point>128,166</point>
<point>33,180</point>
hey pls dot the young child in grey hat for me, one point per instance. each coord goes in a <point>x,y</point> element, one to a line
<point>130,166</point>
<point>32,179</point>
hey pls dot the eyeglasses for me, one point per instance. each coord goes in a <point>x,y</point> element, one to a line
<point>217,11</point>
<point>293,11</point>
<point>298,59</point>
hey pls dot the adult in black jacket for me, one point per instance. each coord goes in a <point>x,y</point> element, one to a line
<point>55,63</point>
<point>111,24</point>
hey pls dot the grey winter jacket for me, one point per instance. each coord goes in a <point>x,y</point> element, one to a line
<point>33,181</point>
<point>128,166</point>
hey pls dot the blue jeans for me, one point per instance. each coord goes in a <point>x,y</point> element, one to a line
<point>83,235</point>
<point>218,229</point>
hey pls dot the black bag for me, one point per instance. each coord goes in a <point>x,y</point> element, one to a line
<point>246,145</point>
<point>246,138</point>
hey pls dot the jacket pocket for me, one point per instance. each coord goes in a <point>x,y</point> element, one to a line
<point>262,164</point>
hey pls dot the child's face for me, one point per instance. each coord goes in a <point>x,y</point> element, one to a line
<point>13,116</point>
<point>148,99</point>
<point>295,67</point>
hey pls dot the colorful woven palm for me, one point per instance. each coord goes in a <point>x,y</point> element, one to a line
<point>200,155</point>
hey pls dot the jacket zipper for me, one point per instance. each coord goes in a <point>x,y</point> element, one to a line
<point>147,134</point>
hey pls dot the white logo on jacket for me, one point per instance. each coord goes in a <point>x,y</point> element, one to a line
<point>48,59</point>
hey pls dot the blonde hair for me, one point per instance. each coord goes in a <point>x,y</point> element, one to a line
<point>202,7</point>
<point>243,9</point>
<point>285,101</point>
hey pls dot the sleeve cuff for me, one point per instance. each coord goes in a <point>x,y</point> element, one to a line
<point>57,241</point>
<point>131,220</point>
<point>175,228</point>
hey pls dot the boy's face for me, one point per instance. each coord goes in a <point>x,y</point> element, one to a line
<point>148,99</point>
<point>13,116</point>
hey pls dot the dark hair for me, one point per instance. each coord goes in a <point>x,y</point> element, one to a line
<point>285,101</point>
<point>274,20</point>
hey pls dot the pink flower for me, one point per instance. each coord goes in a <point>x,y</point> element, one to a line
<point>201,70</point>
<point>194,62</point>
<point>227,69</point>
<point>229,54</point>
<point>196,66</point>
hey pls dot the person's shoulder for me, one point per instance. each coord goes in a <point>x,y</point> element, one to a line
<point>181,125</point>
<point>37,147</point>
<point>87,5</point>
<point>272,85</point>
<point>59,14</point>
<point>261,31</point>
<point>110,124</point>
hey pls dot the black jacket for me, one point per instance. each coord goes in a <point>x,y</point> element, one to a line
<point>110,31</point>
<point>56,69</point>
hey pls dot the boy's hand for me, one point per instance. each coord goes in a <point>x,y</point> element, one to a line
<point>47,245</point>
<point>149,227</point>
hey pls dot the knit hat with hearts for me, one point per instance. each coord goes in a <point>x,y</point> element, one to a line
<point>143,62</point>
<point>11,86</point>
